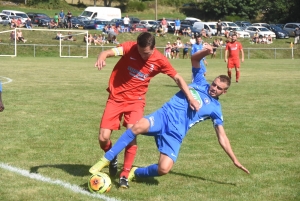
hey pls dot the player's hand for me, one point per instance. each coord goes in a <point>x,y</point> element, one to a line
<point>237,164</point>
<point>1,107</point>
<point>225,60</point>
<point>242,60</point>
<point>100,64</point>
<point>194,104</point>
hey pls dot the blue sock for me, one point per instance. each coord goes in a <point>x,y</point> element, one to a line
<point>149,171</point>
<point>121,143</point>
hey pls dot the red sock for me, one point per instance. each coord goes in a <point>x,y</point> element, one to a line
<point>237,76</point>
<point>229,74</point>
<point>129,155</point>
<point>106,147</point>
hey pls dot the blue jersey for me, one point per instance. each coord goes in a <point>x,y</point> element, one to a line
<point>182,117</point>
<point>177,22</point>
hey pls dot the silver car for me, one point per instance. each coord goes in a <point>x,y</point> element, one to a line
<point>290,27</point>
<point>262,31</point>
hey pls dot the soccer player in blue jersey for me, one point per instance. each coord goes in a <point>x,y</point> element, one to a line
<point>1,104</point>
<point>197,47</point>
<point>170,123</point>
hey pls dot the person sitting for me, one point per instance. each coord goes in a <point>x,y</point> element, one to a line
<point>70,37</point>
<point>12,36</point>
<point>52,25</point>
<point>184,32</point>
<point>28,23</point>
<point>264,40</point>
<point>58,36</point>
<point>269,39</point>
<point>255,38</point>
<point>19,23</point>
<point>13,23</point>
<point>20,36</point>
<point>226,33</point>
<point>189,32</point>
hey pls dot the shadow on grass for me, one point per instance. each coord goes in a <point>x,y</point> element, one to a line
<point>72,169</point>
<point>202,178</point>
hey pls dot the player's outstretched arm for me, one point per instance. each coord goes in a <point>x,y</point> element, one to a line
<point>196,58</point>
<point>100,63</point>
<point>225,144</point>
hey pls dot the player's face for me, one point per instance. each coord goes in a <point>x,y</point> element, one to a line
<point>233,39</point>
<point>217,88</point>
<point>145,52</point>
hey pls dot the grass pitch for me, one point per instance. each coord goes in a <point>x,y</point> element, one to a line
<point>50,125</point>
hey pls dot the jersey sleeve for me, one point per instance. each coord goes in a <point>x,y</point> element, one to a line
<point>217,118</point>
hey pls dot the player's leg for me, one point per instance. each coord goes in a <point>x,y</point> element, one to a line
<point>230,65</point>
<point>237,70</point>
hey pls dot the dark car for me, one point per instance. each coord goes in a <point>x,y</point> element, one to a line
<point>100,24</point>
<point>77,23</point>
<point>279,32</point>
<point>89,24</point>
<point>36,17</point>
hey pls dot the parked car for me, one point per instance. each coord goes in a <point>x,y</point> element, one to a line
<point>260,24</point>
<point>262,31</point>
<point>290,27</point>
<point>35,17</point>
<point>241,33</point>
<point>228,24</point>
<point>139,28</point>
<point>243,24</point>
<point>77,23</point>
<point>4,19</point>
<point>89,24</point>
<point>148,23</point>
<point>280,33</point>
<point>100,24</point>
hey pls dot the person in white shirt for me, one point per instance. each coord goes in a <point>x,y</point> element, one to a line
<point>126,22</point>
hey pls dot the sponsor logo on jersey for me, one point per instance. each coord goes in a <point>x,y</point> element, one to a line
<point>137,74</point>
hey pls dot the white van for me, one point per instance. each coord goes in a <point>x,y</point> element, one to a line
<point>209,26</point>
<point>103,13</point>
<point>21,14</point>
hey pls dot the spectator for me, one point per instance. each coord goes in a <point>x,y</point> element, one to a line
<point>189,32</point>
<point>164,25</point>
<point>20,36</point>
<point>28,23</point>
<point>184,32</point>
<point>192,40</point>
<point>61,16</point>
<point>186,50</point>
<point>168,50</point>
<point>264,40</point>
<point>12,36</point>
<point>221,43</point>
<point>215,45</point>
<point>177,26</point>
<point>56,18</point>
<point>70,37</point>
<point>58,36</point>
<point>226,33</point>
<point>69,20</point>
<point>203,33</point>
<point>219,28</point>
<point>255,38</point>
<point>126,22</point>
<point>13,23</point>
<point>269,39</point>
<point>297,35</point>
<point>52,25</point>
<point>19,23</point>
<point>174,51</point>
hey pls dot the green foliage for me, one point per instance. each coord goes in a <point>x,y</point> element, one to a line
<point>47,4</point>
<point>133,6</point>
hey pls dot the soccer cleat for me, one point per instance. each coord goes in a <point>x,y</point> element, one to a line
<point>124,182</point>
<point>103,162</point>
<point>131,175</point>
<point>113,167</point>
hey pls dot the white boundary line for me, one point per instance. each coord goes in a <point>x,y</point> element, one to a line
<point>8,80</point>
<point>63,184</point>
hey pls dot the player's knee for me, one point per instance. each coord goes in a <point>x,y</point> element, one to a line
<point>141,127</point>
<point>163,170</point>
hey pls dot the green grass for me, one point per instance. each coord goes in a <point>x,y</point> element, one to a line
<point>51,119</point>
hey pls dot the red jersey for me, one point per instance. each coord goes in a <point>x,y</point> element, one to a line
<point>131,75</point>
<point>234,49</point>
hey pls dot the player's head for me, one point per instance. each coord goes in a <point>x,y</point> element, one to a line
<point>233,37</point>
<point>219,86</point>
<point>198,39</point>
<point>145,44</point>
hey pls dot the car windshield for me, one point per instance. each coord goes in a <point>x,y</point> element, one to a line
<point>212,26</point>
<point>263,29</point>
<point>87,13</point>
<point>238,29</point>
<point>21,15</point>
<point>230,24</point>
<point>276,28</point>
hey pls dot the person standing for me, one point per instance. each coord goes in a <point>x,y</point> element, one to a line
<point>219,28</point>
<point>126,22</point>
<point>164,25</point>
<point>233,48</point>
<point>1,103</point>
<point>197,47</point>
<point>69,19</point>
<point>297,35</point>
<point>56,18</point>
<point>170,124</point>
<point>177,26</point>
<point>128,85</point>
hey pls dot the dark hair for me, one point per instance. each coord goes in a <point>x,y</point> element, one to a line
<point>226,79</point>
<point>146,39</point>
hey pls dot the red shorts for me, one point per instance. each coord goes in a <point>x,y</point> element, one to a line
<point>233,63</point>
<point>114,111</point>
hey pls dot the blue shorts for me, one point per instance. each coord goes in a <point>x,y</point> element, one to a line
<point>164,133</point>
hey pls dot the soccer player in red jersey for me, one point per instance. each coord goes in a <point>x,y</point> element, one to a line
<point>233,60</point>
<point>128,84</point>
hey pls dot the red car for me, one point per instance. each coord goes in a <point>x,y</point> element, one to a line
<point>139,28</point>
